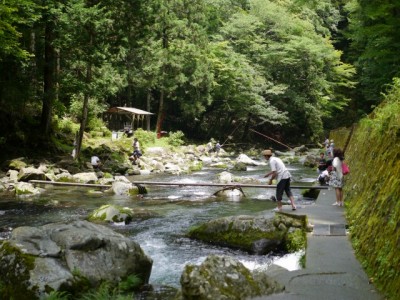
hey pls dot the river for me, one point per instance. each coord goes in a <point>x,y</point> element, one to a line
<point>178,208</point>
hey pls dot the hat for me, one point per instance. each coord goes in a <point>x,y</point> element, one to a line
<point>267,152</point>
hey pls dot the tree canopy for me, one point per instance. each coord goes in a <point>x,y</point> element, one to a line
<point>201,66</point>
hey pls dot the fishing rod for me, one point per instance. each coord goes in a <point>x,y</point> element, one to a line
<point>230,135</point>
<point>271,139</point>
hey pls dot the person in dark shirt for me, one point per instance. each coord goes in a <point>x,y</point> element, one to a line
<point>321,163</point>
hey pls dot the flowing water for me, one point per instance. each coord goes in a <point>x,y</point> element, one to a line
<point>177,208</point>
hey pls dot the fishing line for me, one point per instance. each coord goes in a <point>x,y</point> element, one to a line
<point>230,135</point>
<point>271,139</point>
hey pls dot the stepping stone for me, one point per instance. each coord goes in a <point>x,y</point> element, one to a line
<point>329,229</point>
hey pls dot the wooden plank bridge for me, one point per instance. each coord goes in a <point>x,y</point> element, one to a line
<point>161,183</point>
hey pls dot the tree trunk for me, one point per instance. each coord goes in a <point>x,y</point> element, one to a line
<point>148,109</point>
<point>160,116</point>
<point>49,87</point>
<point>86,96</point>
<point>84,111</point>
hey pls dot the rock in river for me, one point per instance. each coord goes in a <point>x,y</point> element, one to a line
<point>67,257</point>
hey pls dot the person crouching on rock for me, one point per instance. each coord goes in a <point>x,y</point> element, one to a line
<point>96,163</point>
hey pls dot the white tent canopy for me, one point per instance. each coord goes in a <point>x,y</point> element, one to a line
<point>124,117</point>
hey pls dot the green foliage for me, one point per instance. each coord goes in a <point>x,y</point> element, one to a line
<point>14,14</point>
<point>176,139</point>
<point>374,32</point>
<point>56,295</point>
<point>65,125</point>
<point>145,138</point>
<point>95,109</point>
<point>104,292</point>
<point>98,124</point>
<point>373,193</point>
<point>131,283</point>
<point>200,67</point>
<point>296,240</point>
<point>386,116</point>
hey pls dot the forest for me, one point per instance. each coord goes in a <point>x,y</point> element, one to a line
<point>291,68</point>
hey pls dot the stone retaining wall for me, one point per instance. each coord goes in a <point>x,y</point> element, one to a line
<point>372,194</point>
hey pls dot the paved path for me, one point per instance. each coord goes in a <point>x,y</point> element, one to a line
<point>332,270</point>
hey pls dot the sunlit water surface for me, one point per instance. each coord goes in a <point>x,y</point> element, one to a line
<point>178,208</point>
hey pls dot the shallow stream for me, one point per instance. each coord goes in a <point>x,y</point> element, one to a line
<point>178,208</point>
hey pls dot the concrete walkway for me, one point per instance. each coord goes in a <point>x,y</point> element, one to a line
<point>332,270</point>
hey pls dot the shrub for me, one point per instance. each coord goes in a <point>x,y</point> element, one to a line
<point>176,139</point>
<point>65,125</point>
<point>145,138</point>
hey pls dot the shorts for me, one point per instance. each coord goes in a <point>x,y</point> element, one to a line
<point>137,153</point>
<point>283,186</point>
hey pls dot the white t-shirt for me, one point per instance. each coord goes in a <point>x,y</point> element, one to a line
<point>278,166</point>
<point>337,164</point>
<point>136,145</point>
<point>95,160</point>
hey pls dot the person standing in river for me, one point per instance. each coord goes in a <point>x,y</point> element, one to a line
<point>136,151</point>
<point>282,176</point>
<point>336,175</point>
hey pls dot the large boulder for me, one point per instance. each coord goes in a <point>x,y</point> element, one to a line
<point>255,234</point>
<point>25,189</point>
<point>124,188</point>
<point>311,161</point>
<point>240,166</point>
<point>64,177</point>
<point>67,257</point>
<point>243,158</point>
<point>118,214</point>
<point>224,278</point>
<point>30,173</point>
<point>86,177</point>
<point>232,193</point>
<point>225,177</point>
<point>17,164</point>
<point>12,175</point>
<point>112,213</point>
<point>172,168</point>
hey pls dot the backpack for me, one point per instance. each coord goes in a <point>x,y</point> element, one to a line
<point>345,169</point>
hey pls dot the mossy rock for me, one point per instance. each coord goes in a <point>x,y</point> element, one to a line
<point>240,166</point>
<point>111,213</point>
<point>296,239</point>
<point>223,277</point>
<point>16,164</point>
<point>256,235</point>
<point>196,166</point>
<point>14,280</point>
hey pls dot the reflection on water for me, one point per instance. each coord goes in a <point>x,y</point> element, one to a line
<point>162,238</point>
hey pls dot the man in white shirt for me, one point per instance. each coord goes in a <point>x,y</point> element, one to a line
<point>282,176</point>
<point>96,163</point>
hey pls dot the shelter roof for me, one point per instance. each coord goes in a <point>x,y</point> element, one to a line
<point>128,110</point>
